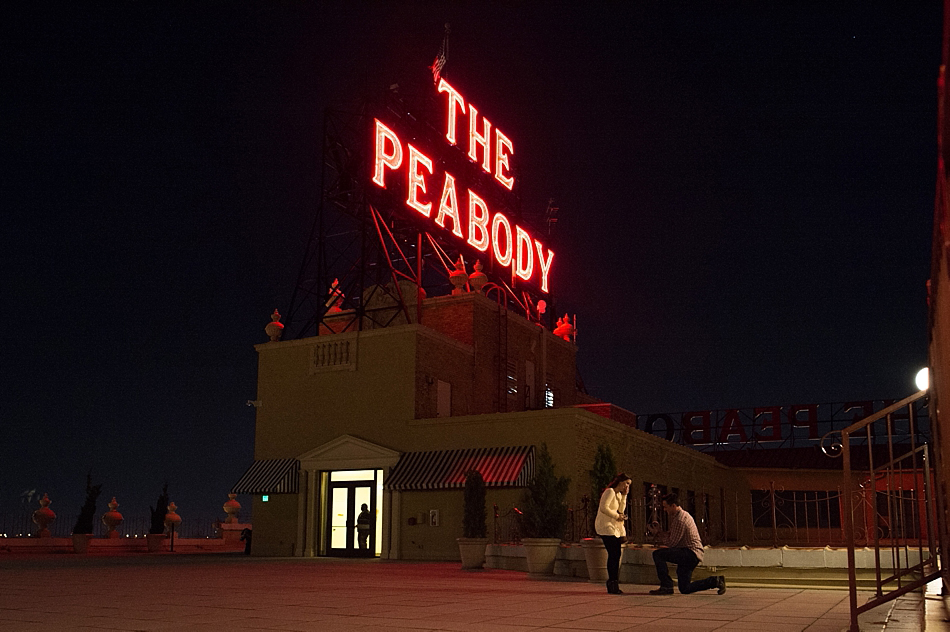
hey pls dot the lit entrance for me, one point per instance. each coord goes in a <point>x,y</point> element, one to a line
<point>347,492</point>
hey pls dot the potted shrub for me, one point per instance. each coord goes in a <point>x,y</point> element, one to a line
<point>156,530</point>
<point>474,529</point>
<point>544,515</point>
<point>83,529</point>
<point>600,476</point>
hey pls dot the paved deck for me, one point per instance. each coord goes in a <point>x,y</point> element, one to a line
<point>234,592</point>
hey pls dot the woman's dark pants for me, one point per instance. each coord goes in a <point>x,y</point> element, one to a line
<point>612,544</point>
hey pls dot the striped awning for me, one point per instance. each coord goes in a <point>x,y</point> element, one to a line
<point>269,476</point>
<point>445,469</point>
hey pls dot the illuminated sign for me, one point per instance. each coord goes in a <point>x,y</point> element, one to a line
<point>436,196</point>
<point>801,424</point>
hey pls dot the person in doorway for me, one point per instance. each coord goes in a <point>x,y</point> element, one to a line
<point>364,525</point>
<point>685,549</point>
<point>609,525</point>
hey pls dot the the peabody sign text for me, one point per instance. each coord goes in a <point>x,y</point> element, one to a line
<point>435,196</point>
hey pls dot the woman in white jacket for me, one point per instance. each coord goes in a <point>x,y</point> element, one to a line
<point>609,525</point>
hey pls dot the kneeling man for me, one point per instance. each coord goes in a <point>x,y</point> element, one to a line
<point>685,549</point>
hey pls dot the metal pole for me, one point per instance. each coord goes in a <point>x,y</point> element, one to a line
<point>849,530</point>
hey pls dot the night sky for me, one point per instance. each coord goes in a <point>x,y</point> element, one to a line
<point>745,191</point>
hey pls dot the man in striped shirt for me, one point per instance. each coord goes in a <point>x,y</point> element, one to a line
<point>685,549</point>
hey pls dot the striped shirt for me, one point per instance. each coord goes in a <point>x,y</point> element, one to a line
<point>683,534</point>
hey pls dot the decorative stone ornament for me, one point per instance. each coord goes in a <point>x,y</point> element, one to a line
<point>564,329</point>
<point>477,279</point>
<point>231,507</point>
<point>275,329</point>
<point>43,517</point>
<point>112,519</point>
<point>458,278</point>
<point>335,302</point>
<point>172,519</point>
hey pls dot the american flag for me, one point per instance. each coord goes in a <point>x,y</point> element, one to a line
<point>439,63</point>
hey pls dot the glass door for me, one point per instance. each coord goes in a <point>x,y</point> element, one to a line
<point>350,494</point>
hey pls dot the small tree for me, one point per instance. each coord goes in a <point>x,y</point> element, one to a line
<point>544,510</point>
<point>473,520</point>
<point>158,512</point>
<point>84,522</point>
<point>604,470</point>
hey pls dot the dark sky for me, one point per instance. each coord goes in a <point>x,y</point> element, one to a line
<point>745,193</point>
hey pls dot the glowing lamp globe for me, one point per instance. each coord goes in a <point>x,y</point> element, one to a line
<point>922,379</point>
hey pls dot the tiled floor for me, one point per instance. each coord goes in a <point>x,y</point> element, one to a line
<point>232,592</point>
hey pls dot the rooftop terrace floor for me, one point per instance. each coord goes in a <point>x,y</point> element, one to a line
<point>234,592</point>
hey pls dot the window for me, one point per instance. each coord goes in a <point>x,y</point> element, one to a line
<point>444,399</point>
<point>529,395</point>
<point>512,382</point>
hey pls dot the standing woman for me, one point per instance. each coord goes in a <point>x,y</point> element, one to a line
<point>609,526</point>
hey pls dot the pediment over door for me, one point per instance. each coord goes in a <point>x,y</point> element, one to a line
<point>347,452</point>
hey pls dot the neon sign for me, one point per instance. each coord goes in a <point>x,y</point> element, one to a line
<point>511,245</point>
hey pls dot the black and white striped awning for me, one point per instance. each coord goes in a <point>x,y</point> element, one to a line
<point>445,469</point>
<point>269,476</point>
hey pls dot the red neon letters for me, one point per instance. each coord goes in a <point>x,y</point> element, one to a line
<point>511,246</point>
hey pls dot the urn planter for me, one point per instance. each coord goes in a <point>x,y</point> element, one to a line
<point>472,551</point>
<point>596,556</point>
<point>540,554</point>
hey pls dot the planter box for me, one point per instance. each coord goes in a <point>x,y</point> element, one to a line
<point>540,554</point>
<point>595,555</point>
<point>472,552</point>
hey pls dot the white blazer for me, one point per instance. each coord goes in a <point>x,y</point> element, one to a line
<point>612,506</point>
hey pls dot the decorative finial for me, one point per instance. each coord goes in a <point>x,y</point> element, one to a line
<point>564,330</point>
<point>275,329</point>
<point>477,279</point>
<point>231,507</point>
<point>335,300</point>
<point>458,277</point>
<point>43,517</point>
<point>112,519</point>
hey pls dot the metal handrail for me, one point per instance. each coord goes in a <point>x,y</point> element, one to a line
<point>898,573</point>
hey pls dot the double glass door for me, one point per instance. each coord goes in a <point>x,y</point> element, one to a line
<point>346,498</point>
